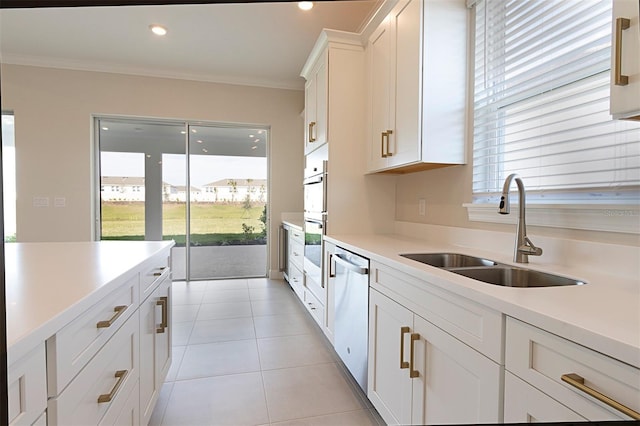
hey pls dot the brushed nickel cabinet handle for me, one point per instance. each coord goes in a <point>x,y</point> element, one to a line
<point>618,78</point>
<point>382,153</point>
<point>163,302</point>
<point>157,274</point>
<point>578,382</point>
<point>311,126</point>
<point>107,397</point>
<point>119,310</point>
<point>403,363</point>
<point>413,373</point>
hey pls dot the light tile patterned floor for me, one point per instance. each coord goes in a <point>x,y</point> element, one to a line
<point>247,353</point>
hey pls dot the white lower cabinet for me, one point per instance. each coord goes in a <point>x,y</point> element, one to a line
<point>27,390</point>
<point>329,279</point>
<point>593,385</point>
<point>155,346</point>
<point>525,404</point>
<point>419,374</point>
<point>102,387</point>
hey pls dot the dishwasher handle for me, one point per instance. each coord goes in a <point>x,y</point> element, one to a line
<point>338,258</point>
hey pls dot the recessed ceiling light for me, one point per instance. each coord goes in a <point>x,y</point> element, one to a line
<point>253,147</point>
<point>183,132</point>
<point>199,141</point>
<point>252,136</point>
<point>257,140</point>
<point>105,128</point>
<point>194,131</point>
<point>158,29</point>
<point>305,5</point>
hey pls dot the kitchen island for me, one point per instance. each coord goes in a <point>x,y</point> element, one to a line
<point>84,302</point>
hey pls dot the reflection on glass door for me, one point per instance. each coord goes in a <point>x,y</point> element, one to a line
<point>228,208</point>
<point>137,167</point>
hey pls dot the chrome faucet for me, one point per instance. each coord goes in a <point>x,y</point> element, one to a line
<point>524,246</point>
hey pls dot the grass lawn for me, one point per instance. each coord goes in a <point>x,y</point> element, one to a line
<point>210,223</point>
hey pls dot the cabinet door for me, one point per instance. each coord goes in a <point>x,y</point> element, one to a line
<point>329,279</point>
<point>379,63</point>
<point>155,347</point>
<point>525,404</point>
<point>163,340</point>
<point>625,99</point>
<point>309,113</point>
<point>316,104</point>
<point>389,387</point>
<point>405,141</point>
<point>454,383</point>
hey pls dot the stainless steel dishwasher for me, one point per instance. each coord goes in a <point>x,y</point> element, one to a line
<point>351,303</point>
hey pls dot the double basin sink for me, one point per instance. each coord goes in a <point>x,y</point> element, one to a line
<point>491,272</point>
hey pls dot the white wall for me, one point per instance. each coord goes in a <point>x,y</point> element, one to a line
<point>54,142</point>
<point>446,189</point>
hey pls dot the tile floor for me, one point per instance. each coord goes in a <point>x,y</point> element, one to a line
<point>247,353</point>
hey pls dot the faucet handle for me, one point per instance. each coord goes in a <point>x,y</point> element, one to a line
<point>529,248</point>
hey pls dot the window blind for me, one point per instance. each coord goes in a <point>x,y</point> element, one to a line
<point>541,104</point>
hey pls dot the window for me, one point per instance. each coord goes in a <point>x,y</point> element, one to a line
<point>541,105</point>
<point>9,176</point>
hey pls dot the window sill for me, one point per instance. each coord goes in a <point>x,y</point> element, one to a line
<point>592,217</point>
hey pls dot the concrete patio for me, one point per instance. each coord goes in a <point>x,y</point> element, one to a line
<point>212,262</point>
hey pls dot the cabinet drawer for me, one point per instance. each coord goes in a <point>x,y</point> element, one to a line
<point>296,280</point>
<point>296,235</point>
<point>69,350</point>
<point>128,415</point>
<point>27,392</point>
<point>470,322</point>
<point>541,359</point>
<point>525,404</point>
<point>109,377</point>
<point>296,253</point>
<point>150,275</point>
<point>314,306</point>
<point>316,288</point>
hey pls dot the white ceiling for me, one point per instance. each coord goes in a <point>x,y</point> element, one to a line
<point>263,44</point>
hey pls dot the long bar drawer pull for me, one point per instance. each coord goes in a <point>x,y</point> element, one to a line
<point>403,363</point>
<point>578,382</point>
<point>413,373</point>
<point>107,397</point>
<point>164,302</point>
<point>119,310</point>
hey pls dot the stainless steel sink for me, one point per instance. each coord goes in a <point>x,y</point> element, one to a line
<point>448,260</point>
<point>508,276</point>
<point>491,272</point>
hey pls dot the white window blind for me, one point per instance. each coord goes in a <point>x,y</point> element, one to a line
<point>541,104</point>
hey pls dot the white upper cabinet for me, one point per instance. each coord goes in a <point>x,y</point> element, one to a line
<point>416,60</point>
<point>625,60</point>
<point>315,106</point>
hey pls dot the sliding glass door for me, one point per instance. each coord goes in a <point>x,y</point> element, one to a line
<point>202,185</point>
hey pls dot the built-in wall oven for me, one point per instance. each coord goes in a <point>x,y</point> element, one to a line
<point>315,223</point>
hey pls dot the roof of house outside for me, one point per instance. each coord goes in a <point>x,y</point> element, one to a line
<point>121,180</point>
<point>240,182</point>
<point>184,188</point>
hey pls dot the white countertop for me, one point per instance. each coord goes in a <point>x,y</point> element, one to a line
<point>49,284</point>
<point>603,315</point>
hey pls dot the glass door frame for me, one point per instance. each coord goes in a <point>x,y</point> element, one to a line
<point>152,225</point>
